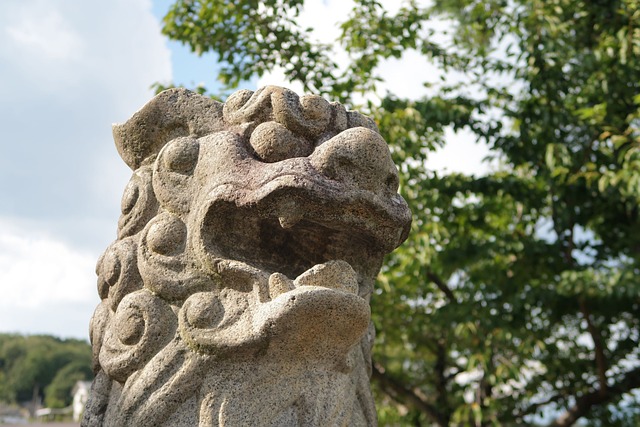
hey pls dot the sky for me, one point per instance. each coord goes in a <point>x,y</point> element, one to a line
<point>68,71</point>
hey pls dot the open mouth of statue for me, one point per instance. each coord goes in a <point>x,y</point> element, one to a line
<point>290,230</point>
<point>309,260</point>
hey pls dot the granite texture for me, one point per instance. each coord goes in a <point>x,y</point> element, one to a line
<point>237,291</point>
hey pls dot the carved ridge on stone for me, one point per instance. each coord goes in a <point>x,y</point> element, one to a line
<point>249,241</point>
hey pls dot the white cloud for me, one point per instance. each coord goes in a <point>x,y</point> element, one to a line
<point>40,278</point>
<point>37,270</point>
<point>61,94</point>
<point>46,32</point>
<point>68,70</point>
<point>460,154</point>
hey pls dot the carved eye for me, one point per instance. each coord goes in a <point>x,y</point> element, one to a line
<point>273,142</point>
<point>167,235</point>
<point>181,155</point>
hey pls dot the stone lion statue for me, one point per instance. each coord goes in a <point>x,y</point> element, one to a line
<point>237,291</point>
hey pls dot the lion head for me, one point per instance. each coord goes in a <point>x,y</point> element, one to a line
<point>237,291</point>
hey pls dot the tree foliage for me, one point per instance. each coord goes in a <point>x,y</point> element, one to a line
<point>515,299</point>
<point>42,366</point>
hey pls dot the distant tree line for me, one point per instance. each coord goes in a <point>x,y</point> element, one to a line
<point>42,367</point>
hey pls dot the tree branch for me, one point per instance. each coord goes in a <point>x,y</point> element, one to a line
<point>441,382</point>
<point>596,397</point>
<point>441,285</point>
<point>535,406</point>
<point>601,361</point>
<point>402,394</point>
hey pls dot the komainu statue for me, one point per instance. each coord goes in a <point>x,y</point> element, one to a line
<point>237,291</point>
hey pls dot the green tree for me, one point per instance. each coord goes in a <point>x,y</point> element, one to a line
<point>515,299</point>
<point>58,392</point>
<point>41,366</point>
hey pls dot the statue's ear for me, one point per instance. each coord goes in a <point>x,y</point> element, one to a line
<point>170,114</point>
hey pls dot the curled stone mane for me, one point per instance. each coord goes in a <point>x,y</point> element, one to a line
<point>237,291</point>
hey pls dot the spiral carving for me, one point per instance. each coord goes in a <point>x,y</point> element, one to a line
<point>117,271</point>
<point>310,114</point>
<point>97,328</point>
<point>139,203</point>
<point>142,325</point>
<point>220,323</point>
<point>163,263</point>
<point>172,173</point>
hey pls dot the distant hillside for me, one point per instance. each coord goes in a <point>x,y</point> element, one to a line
<point>42,367</point>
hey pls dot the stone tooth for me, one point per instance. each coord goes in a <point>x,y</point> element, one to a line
<point>288,221</point>
<point>289,213</point>
<point>337,274</point>
<point>279,284</point>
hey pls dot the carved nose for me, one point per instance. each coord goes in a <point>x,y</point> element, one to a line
<point>357,157</point>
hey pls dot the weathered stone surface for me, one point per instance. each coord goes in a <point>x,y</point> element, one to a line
<point>237,293</point>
